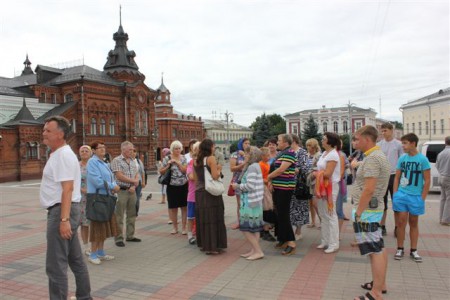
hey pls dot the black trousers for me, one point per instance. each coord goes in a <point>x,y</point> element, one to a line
<point>282,205</point>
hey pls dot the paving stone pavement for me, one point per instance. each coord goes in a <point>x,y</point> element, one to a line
<point>165,266</point>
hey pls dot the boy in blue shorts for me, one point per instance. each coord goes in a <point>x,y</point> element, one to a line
<point>411,185</point>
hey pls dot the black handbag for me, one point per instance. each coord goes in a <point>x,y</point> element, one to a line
<point>165,178</point>
<point>301,191</point>
<point>99,207</point>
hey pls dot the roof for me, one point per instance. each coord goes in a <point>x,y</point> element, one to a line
<point>89,73</point>
<point>443,94</point>
<point>221,124</point>
<point>332,109</point>
<point>59,110</point>
<point>23,117</point>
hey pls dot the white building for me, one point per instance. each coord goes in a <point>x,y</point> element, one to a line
<point>223,133</point>
<point>334,119</point>
<point>429,116</point>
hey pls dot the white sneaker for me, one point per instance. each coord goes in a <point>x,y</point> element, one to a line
<point>415,256</point>
<point>331,250</point>
<point>87,251</point>
<point>399,254</point>
<point>298,237</point>
<point>95,261</point>
<point>322,246</point>
<point>73,298</point>
<point>106,257</point>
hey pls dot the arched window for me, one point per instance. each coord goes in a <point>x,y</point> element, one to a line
<point>335,126</point>
<point>345,126</point>
<point>32,150</point>
<point>325,127</point>
<point>93,126</point>
<point>144,122</point>
<point>112,127</point>
<point>68,97</point>
<point>73,126</point>
<point>102,126</point>
<point>137,123</point>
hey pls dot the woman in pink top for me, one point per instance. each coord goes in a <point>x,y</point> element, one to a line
<point>191,194</point>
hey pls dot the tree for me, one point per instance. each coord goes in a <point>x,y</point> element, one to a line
<point>267,126</point>
<point>311,131</point>
<point>397,125</point>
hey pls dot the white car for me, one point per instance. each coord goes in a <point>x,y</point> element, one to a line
<point>431,150</point>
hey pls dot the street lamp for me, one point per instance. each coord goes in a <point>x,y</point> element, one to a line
<point>228,117</point>
<point>349,130</point>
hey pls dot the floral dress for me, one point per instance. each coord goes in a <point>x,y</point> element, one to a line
<point>300,208</point>
<point>84,220</point>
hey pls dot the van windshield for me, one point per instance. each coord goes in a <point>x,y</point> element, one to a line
<point>433,151</point>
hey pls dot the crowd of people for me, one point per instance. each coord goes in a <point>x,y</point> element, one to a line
<point>277,188</point>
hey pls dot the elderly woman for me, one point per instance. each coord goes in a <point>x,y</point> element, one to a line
<point>236,167</point>
<point>177,190</point>
<point>209,209</point>
<point>328,177</point>
<point>251,211</point>
<point>85,153</point>
<point>282,183</point>
<point>165,152</point>
<point>312,145</point>
<point>98,175</point>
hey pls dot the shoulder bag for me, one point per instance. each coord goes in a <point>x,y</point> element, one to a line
<point>301,191</point>
<point>213,186</point>
<point>100,208</point>
<point>165,178</point>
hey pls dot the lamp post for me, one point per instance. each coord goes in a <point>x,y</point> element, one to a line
<point>349,105</point>
<point>228,118</point>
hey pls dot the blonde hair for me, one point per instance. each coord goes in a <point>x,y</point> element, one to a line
<point>313,143</point>
<point>195,148</point>
<point>264,150</point>
<point>176,144</point>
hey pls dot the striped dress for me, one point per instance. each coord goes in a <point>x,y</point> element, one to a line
<point>252,193</point>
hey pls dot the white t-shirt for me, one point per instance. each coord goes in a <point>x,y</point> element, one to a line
<point>62,165</point>
<point>393,150</point>
<point>188,157</point>
<point>330,156</point>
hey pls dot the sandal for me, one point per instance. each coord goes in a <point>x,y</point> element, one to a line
<point>368,286</point>
<point>174,231</point>
<point>310,225</point>
<point>366,296</point>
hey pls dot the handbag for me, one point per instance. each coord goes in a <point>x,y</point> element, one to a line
<point>164,179</point>
<point>213,186</point>
<point>100,207</point>
<point>231,192</point>
<point>301,191</point>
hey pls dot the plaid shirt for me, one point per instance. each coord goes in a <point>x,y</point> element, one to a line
<point>128,169</point>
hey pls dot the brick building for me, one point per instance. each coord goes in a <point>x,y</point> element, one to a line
<point>112,105</point>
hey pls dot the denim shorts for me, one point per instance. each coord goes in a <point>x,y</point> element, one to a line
<point>403,202</point>
<point>191,210</point>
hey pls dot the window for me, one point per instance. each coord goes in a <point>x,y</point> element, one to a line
<point>358,125</point>
<point>407,127</point>
<point>102,126</point>
<point>434,126</point>
<point>43,97</point>
<point>345,126</point>
<point>68,98</point>
<point>93,126</point>
<point>137,123</point>
<point>433,151</point>
<point>442,126</point>
<point>144,117</point>
<point>53,98</point>
<point>420,128</point>
<point>414,127</point>
<point>294,128</point>
<point>74,126</point>
<point>174,132</point>
<point>32,150</point>
<point>426,127</point>
<point>335,126</point>
<point>112,127</point>
<point>325,127</point>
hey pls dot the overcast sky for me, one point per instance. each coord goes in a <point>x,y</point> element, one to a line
<point>247,56</point>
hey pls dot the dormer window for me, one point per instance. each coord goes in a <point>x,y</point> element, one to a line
<point>68,97</point>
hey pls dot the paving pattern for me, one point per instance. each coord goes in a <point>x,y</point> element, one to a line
<point>165,266</point>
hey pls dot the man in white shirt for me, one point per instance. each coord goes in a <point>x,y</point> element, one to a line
<point>392,148</point>
<point>443,167</point>
<point>60,195</point>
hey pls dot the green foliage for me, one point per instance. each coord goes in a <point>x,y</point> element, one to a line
<point>311,131</point>
<point>345,141</point>
<point>267,126</point>
<point>397,125</point>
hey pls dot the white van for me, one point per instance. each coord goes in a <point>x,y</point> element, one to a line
<point>431,150</point>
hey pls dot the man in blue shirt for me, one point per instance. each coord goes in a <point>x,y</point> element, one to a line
<point>411,185</point>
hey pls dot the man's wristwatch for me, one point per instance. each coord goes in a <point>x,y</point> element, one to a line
<point>65,219</point>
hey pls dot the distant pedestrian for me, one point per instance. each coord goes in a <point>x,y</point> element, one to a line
<point>411,186</point>
<point>60,194</point>
<point>392,148</point>
<point>443,167</point>
<point>312,146</point>
<point>85,152</point>
<point>190,173</point>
